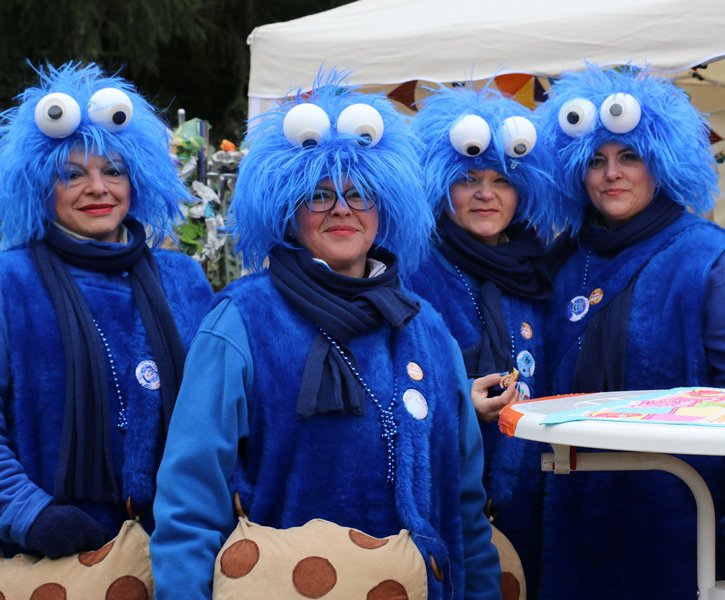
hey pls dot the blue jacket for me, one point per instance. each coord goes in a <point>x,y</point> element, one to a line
<point>32,384</point>
<point>513,479</point>
<point>632,535</point>
<point>246,436</point>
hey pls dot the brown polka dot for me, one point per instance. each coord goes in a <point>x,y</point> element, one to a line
<point>89,559</point>
<point>49,591</point>
<point>313,577</point>
<point>366,541</point>
<point>127,587</point>
<point>388,590</point>
<point>2,596</point>
<point>510,587</point>
<point>239,559</point>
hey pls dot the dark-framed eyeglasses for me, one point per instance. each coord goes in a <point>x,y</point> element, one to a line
<point>325,199</point>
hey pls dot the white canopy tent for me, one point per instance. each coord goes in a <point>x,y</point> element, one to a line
<point>386,43</point>
<point>393,41</point>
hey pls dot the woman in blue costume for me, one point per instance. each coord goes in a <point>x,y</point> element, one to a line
<point>639,304</point>
<point>489,183</point>
<point>93,323</point>
<point>334,393</point>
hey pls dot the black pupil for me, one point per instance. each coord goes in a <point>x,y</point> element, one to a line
<point>473,151</point>
<point>365,139</point>
<point>572,118</point>
<point>615,110</point>
<point>119,117</point>
<point>55,112</point>
<point>309,143</point>
<point>520,149</point>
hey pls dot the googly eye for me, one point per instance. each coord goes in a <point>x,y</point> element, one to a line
<point>57,115</point>
<point>470,135</point>
<point>110,108</point>
<point>305,125</point>
<point>620,113</point>
<point>577,117</point>
<point>363,121</point>
<point>519,136</point>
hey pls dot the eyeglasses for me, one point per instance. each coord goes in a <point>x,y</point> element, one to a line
<point>325,199</point>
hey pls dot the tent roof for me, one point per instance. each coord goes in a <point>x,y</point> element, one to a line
<point>393,41</point>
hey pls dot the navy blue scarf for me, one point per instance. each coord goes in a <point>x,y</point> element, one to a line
<point>601,364</point>
<point>344,307</point>
<point>85,466</point>
<point>516,267</point>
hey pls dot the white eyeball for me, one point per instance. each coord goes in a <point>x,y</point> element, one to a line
<point>57,115</point>
<point>361,120</point>
<point>577,117</point>
<point>305,125</point>
<point>519,136</point>
<point>110,108</point>
<point>620,113</point>
<point>470,135</point>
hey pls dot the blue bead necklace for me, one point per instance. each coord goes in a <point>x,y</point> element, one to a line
<point>387,418</point>
<point>478,310</point>
<point>122,420</point>
<point>578,307</point>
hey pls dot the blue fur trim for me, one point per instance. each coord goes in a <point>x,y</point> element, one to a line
<point>31,162</point>
<point>531,175</point>
<point>672,137</point>
<point>275,177</point>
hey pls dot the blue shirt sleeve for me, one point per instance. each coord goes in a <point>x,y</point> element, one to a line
<point>193,507</point>
<point>715,321</point>
<point>483,570</point>
<point>20,499</point>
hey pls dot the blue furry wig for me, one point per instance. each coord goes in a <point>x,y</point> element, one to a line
<point>444,117</point>
<point>32,162</point>
<point>378,155</point>
<point>671,136</point>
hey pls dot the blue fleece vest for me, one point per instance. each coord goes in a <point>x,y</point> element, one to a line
<point>513,479</point>
<point>632,535</point>
<point>665,343</point>
<point>35,402</point>
<point>334,466</point>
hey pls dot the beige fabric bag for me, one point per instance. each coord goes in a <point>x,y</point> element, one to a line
<point>513,582</point>
<point>120,570</point>
<point>318,559</point>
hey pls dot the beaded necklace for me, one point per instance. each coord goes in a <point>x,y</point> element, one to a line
<point>478,310</point>
<point>387,418</point>
<point>122,420</point>
<point>524,360</point>
<point>578,306</point>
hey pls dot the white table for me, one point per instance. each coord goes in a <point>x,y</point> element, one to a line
<point>635,446</point>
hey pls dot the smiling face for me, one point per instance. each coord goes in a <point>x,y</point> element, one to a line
<point>484,204</point>
<point>618,183</point>
<point>95,199</point>
<point>340,236</point>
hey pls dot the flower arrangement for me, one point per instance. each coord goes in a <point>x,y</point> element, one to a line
<point>210,177</point>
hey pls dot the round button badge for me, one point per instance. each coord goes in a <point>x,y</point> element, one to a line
<point>414,371</point>
<point>578,308</point>
<point>147,374</point>
<point>525,363</point>
<point>415,403</point>
<point>596,296</point>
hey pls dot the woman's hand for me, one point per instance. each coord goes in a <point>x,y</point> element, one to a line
<point>488,407</point>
